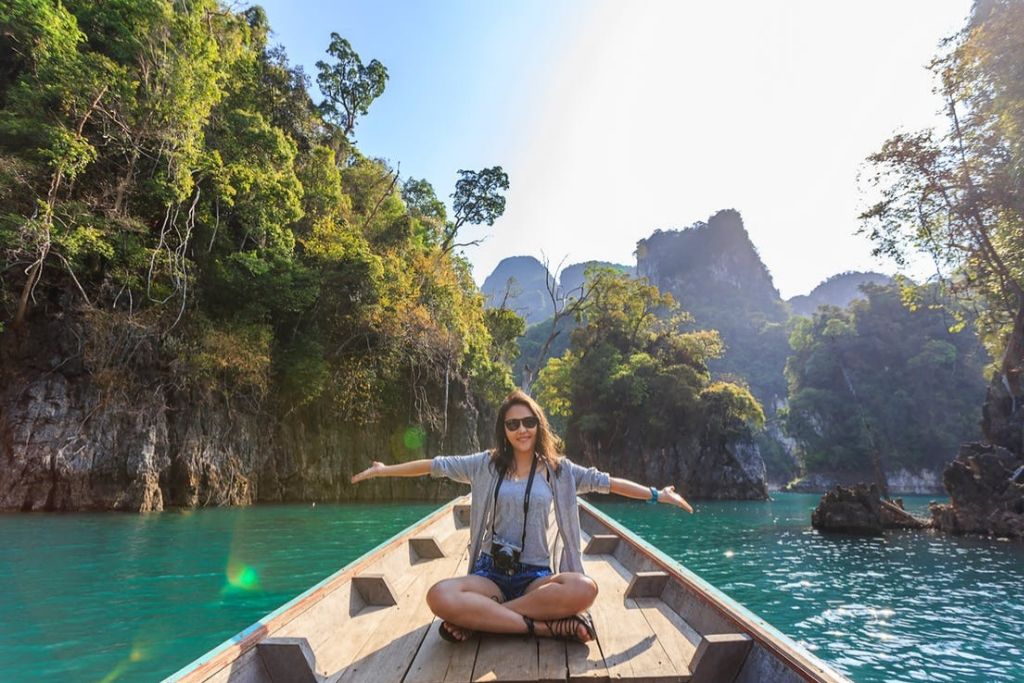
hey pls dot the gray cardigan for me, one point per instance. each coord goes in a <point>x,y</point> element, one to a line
<point>567,481</point>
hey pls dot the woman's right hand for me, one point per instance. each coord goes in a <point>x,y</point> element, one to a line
<point>374,470</point>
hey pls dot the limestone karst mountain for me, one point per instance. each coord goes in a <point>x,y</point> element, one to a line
<point>838,290</point>
<point>520,283</point>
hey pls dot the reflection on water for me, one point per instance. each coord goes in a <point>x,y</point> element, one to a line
<point>909,606</point>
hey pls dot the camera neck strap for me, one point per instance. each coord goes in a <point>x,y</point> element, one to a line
<point>526,501</point>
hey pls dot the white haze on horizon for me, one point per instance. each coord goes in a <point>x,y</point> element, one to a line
<point>659,114</point>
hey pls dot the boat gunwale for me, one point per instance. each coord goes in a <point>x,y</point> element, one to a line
<point>805,664</point>
<point>810,667</point>
<point>232,649</point>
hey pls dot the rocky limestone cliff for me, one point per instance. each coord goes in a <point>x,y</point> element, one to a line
<point>76,438</point>
<point>735,472</point>
<point>520,282</point>
<point>525,280</point>
<point>708,264</point>
<point>572,277</point>
<point>715,273</point>
<point>986,480</point>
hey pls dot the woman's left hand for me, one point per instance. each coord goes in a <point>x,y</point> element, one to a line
<point>669,495</point>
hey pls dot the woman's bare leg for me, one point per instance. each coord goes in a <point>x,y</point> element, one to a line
<point>471,602</point>
<point>555,597</point>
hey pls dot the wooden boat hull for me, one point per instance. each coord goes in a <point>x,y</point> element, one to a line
<point>656,621</point>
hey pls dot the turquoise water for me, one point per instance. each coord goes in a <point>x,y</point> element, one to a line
<point>108,597</point>
<point>912,606</point>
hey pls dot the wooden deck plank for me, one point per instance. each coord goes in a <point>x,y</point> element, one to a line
<point>343,625</point>
<point>438,660</point>
<point>551,661</point>
<point>462,660</point>
<point>506,658</point>
<point>344,610</point>
<point>675,635</point>
<point>249,668</point>
<point>387,655</point>
<point>630,647</point>
<point>585,662</point>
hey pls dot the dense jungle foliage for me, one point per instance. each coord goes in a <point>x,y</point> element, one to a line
<point>630,378</point>
<point>884,377</point>
<point>165,174</point>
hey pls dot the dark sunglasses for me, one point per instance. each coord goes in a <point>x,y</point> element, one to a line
<point>528,422</point>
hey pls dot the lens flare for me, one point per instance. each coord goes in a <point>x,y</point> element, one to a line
<point>414,437</point>
<point>137,654</point>
<point>242,577</point>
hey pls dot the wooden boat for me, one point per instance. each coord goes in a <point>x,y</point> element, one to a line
<point>656,621</point>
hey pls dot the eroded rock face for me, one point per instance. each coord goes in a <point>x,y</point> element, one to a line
<point>1002,416</point>
<point>71,439</point>
<point>986,488</point>
<point>733,472</point>
<point>849,509</point>
<point>68,447</point>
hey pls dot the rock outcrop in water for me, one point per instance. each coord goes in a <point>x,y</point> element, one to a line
<point>986,480</point>
<point>986,490</point>
<point>859,509</point>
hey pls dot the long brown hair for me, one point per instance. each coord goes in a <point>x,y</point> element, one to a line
<point>547,443</point>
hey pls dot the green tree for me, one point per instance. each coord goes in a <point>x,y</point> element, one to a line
<point>477,200</point>
<point>955,196</point>
<point>348,86</point>
<point>630,377</point>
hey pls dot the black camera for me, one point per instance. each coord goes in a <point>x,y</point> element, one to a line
<point>506,557</point>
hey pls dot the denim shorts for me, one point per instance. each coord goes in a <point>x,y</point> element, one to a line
<point>514,585</point>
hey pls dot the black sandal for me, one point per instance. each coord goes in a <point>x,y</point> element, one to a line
<point>447,635</point>
<point>565,629</point>
<point>529,626</point>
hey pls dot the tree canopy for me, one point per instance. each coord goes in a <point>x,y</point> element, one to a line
<point>883,379</point>
<point>957,196</point>
<point>164,170</point>
<point>630,377</point>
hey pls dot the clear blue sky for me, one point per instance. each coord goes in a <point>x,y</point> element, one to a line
<point>616,118</point>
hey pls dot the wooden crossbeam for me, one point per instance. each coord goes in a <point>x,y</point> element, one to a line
<point>719,657</point>
<point>426,547</point>
<point>647,585</point>
<point>375,590</point>
<point>601,544</point>
<point>288,660</point>
<point>461,512</point>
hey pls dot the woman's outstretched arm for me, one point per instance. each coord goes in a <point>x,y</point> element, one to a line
<point>414,468</point>
<point>631,489</point>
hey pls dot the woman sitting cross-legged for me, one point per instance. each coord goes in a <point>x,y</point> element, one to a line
<point>517,490</point>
